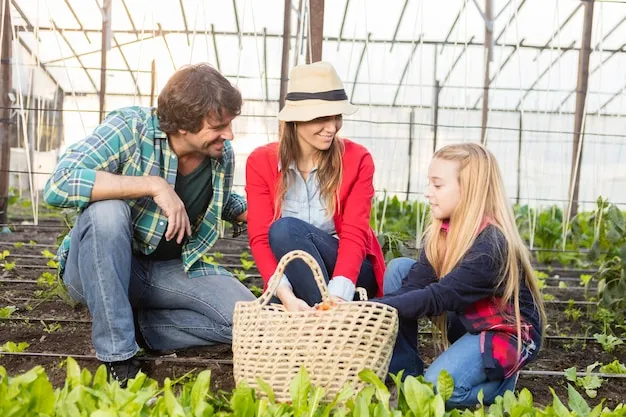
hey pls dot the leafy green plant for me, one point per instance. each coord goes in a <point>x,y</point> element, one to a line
<point>86,394</point>
<point>571,312</point>
<point>608,341</point>
<point>6,312</point>
<point>246,262</point>
<point>590,383</point>
<point>209,260</point>
<point>615,367</point>
<point>14,347</point>
<point>240,275</point>
<point>50,328</point>
<point>8,266</point>
<point>257,291</point>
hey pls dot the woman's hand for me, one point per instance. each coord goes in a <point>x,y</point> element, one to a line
<point>290,301</point>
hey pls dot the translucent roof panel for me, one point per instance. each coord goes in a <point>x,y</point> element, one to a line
<point>389,53</point>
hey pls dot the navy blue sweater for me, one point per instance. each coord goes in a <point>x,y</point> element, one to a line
<point>475,278</point>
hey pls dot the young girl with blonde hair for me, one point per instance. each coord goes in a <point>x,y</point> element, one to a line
<point>474,276</point>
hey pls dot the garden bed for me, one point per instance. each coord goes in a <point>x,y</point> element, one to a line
<point>53,329</point>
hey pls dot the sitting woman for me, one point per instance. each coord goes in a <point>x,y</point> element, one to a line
<point>474,276</point>
<point>312,191</point>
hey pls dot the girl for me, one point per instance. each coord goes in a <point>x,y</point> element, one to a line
<point>474,275</point>
<point>313,190</point>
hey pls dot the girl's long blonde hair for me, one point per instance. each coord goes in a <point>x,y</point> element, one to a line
<point>329,168</point>
<point>482,197</point>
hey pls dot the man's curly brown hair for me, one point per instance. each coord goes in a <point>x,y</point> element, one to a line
<point>193,94</point>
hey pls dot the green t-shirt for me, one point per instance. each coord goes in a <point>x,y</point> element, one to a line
<point>195,190</point>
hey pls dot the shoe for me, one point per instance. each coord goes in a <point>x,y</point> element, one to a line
<point>123,371</point>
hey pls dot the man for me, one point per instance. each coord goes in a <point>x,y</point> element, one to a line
<point>152,185</point>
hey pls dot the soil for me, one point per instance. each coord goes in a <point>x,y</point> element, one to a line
<point>34,323</point>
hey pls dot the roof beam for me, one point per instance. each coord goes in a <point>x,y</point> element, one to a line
<point>406,68</point>
<point>551,38</point>
<point>561,55</point>
<point>80,25</point>
<point>456,20</point>
<point>604,61</point>
<point>508,24</point>
<point>456,61</point>
<point>167,45</point>
<point>182,11</point>
<point>75,55</point>
<point>97,51</point>
<point>239,34</point>
<point>358,68</point>
<point>20,28</point>
<point>217,55</point>
<point>132,73</point>
<point>506,61</point>
<point>610,100</point>
<point>343,22</point>
<point>395,33</point>
<point>609,33</point>
<point>130,18</point>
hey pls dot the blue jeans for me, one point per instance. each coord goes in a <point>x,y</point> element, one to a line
<point>173,311</point>
<point>289,233</point>
<point>463,359</point>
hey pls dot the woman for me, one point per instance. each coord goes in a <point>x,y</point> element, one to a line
<point>312,191</point>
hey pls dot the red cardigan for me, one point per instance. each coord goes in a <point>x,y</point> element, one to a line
<point>356,239</point>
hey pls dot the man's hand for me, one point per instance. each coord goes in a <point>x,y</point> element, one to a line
<point>177,220</point>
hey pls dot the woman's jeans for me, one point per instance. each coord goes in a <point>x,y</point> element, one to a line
<point>289,233</point>
<point>173,311</point>
<point>463,359</point>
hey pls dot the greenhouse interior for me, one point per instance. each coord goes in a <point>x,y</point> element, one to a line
<point>539,83</point>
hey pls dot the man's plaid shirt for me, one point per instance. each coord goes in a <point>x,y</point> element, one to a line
<point>129,142</point>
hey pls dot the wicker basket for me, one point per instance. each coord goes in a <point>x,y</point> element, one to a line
<point>333,345</point>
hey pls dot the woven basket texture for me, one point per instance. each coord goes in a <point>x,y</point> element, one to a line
<point>333,345</point>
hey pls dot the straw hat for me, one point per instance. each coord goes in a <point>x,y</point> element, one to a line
<point>314,90</point>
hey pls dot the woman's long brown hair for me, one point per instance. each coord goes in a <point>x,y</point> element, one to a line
<point>329,168</point>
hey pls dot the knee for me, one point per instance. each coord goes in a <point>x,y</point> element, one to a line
<point>110,218</point>
<point>396,271</point>
<point>283,230</point>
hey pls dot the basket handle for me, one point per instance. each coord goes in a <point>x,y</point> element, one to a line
<point>274,281</point>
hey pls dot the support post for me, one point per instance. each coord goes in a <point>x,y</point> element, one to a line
<point>284,68</point>
<point>581,98</point>
<point>5,109</point>
<point>152,82</point>
<point>408,183</point>
<point>488,59</point>
<point>315,41</point>
<point>106,46</point>
<point>519,160</point>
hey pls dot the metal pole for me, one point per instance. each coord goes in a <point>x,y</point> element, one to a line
<point>152,82</point>
<point>106,46</point>
<point>284,69</point>
<point>5,110</point>
<point>436,114</point>
<point>488,59</point>
<point>316,19</point>
<point>519,160</point>
<point>581,97</point>
<point>411,121</point>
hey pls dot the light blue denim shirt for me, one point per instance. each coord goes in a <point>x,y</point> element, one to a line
<point>303,201</point>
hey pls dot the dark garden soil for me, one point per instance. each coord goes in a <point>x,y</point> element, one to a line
<point>55,330</point>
